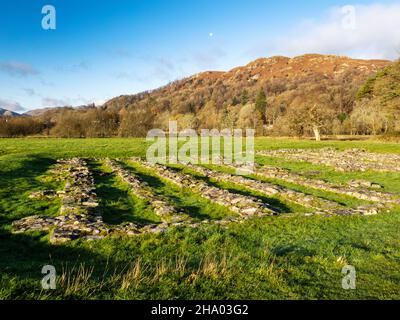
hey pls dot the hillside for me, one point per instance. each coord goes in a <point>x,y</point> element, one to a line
<point>383,86</point>
<point>212,99</point>
<point>379,99</point>
<point>38,112</point>
<point>276,75</point>
<point>269,72</point>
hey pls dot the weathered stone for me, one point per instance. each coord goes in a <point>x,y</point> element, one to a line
<point>80,219</point>
<point>42,195</point>
<point>348,160</point>
<point>75,219</point>
<point>161,207</point>
<point>367,194</point>
<point>324,206</point>
<point>235,202</point>
<point>249,211</point>
<point>268,189</point>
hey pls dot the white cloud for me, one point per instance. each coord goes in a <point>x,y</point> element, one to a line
<point>15,68</point>
<point>100,102</point>
<point>76,67</point>
<point>29,91</point>
<point>49,102</point>
<point>210,58</point>
<point>159,69</point>
<point>376,34</point>
<point>54,102</point>
<point>83,65</point>
<point>11,105</point>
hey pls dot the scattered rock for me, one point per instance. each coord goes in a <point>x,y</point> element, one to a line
<point>42,195</point>
<point>243,205</point>
<point>161,207</point>
<point>349,160</point>
<point>363,193</point>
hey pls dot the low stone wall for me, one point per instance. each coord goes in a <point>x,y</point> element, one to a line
<point>269,189</point>
<point>80,218</point>
<point>245,206</point>
<point>359,189</point>
<point>349,190</point>
<point>349,160</point>
<point>167,212</point>
<point>78,213</point>
<point>323,206</point>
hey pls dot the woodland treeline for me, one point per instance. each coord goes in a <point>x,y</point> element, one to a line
<point>309,106</point>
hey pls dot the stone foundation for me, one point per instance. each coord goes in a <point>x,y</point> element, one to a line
<point>308,201</point>
<point>349,160</point>
<point>80,217</point>
<point>269,189</point>
<point>350,189</point>
<point>78,213</point>
<point>167,212</point>
<point>245,206</point>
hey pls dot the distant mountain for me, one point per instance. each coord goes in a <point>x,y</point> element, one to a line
<point>8,113</point>
<point>54,110</point>
<point>38,112</point>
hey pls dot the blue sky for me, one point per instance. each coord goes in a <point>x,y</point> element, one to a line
<point>101,49</point>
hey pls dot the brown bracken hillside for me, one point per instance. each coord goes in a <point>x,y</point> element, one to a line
<point>275,74</point>
<point>291,85</point>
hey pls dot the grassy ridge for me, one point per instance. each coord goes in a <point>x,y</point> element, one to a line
<point>270,258</point>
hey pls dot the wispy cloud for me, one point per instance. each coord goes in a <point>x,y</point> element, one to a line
<point>11,105</point>
<point>124,75</point>
<point>159,69</point>
<point>123,53</point>
<point>55,102</point>
<point>83,65</point>
<point>209,58</point>
<point>164,69</point>
<point>73,68</point>
<point>15,68</point>
<point>29,91</point>
<point>48,102</point>
<point>375,33</point>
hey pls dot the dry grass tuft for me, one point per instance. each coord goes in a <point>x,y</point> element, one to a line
<point>133,275</point>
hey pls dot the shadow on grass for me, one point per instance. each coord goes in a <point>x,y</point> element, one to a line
<point>272,202</point>
<point>292,250</point>
<point>176,197</point>
<point>319,193</point>
<point>22,259</point>
<point>18,175</point>
<point>24,165</point>
<point>116,205</point>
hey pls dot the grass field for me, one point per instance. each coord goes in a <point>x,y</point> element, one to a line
<point>287,256</point>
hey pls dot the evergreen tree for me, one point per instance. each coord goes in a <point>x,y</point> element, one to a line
<point>261,104</point>
<point>235,101</point>
<point>244,97</point>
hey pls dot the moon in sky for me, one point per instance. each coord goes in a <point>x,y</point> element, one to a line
<point>211,34</point>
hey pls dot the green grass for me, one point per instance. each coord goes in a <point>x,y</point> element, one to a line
<point>280,257</point>
<point>117,203</point>
<point>280,205</point>
<point>191,203</point>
